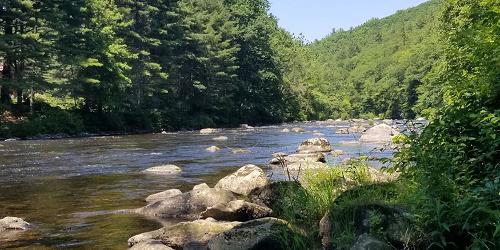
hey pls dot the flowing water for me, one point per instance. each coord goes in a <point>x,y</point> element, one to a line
<point>57,184</point>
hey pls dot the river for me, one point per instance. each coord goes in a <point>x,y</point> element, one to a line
<point>57,184</point>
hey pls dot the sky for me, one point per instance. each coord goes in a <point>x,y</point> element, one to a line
<point>315,19</point>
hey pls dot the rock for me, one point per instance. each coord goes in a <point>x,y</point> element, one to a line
<point>238,210</point>
<point>421,119</point>
<point>298,130</point>
<point>314,157</point>
<point>381,133</point>
<point>274,193</point>
<point>244,180</point>
<point>185,235</point>
<point>349,143</point>
<point>338,152</point>
<point>246,126</point>
<point>213,149</point>
<point>305,165</point>
<point>343,131</point>
<point>357,129</point>
<point>314,145</point>
<point>366,242</point>
<point>163,195</point>
<point>165,169</point>
<point>164,132</point>
<point>325,231</point>
<point>151,245</point>
<point>201,186</point>
<point>378,176</point>
<point>207,131</point>
<point>13,223</point>
<point>220,138</point>
<point>187,205</point>
<point>318,134</point>
<point>255,234</point>
<point>285,130</point>
<point>240,151</point>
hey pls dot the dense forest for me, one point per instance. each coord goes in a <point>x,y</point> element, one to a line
<point>109,66</point>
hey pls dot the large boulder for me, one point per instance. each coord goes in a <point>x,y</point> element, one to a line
<point>187,205</point>
<point>314,145</point>
<point>381,133</point>
<point>164,169</point>
<point>388,221</point>
<point>238,210</point>
<point>13,223</point>
<point>274,193</point>
<point>255,234</point>
<point>244,180</point>
<point>163,195</point>
<point>185,235</point>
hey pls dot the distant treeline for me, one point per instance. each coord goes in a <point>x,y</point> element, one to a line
<point>128,65</point>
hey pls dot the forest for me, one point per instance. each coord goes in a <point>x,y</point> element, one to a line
<point>139,66</point>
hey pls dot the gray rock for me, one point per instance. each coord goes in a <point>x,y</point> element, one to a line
<point>343,131</point>
<point>366,242</point>
<point>244,180</point>
<point>255,234</point>
<point>163,195</point>
<point>315,145</point>
<point>298,130</point>
<point>13,223</point>
<point>187,205</point>
<point>150,245</point>
<point>240,151</point>
<point>185,235</point>
<point>207,131</point>
<point>381,133</point>
<point>305,165</point>
<point>164,169</point>
<point>220,138</point>
<point>201,186</point>
<point>213,149</point>
<point>285,130</point>
<point>313,157</point>
<point>238,210</point>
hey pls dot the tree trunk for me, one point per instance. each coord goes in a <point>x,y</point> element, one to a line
<point>7,73</point>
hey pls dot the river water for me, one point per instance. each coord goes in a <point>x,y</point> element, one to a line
<point>57,184</point>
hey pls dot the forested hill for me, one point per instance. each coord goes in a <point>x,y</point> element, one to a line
<point>377,69</point>
<point>143,65</point>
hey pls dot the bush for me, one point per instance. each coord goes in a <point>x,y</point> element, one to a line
<point>49,121</point>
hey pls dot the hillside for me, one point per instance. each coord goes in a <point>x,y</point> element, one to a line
<point>376,69</point>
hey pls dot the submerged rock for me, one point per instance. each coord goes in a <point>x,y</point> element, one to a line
<point>381,133</point>
<point>298,130</point>
<point>238,210</point>
<point>244,180</point>
<point>213,149</point>
<point>255,234</point>
<point>240,151</point>
<point>220,138</point>
<point>187,205</point>
<point>165,169</point>
<point>207,131</point>
<point>246,126</point>
<point>13,223</point>
<point>185,235</point>
<point>315,145</point>
<point>163,195</point>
